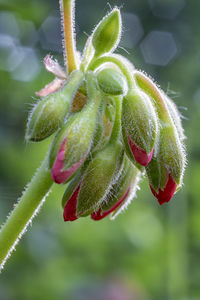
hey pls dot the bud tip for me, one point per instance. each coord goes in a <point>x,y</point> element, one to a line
<point>57,173</point>
<point>140,155</point>
<point>98,215</point>
<point>167,193</point>
<point>69,213</point>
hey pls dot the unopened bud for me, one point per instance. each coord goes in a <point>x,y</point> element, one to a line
<point>49,114</point>
<point>165,171</point>
<point>119,191</point>
<point>112,82</point>
<point>107,33</point>
<point>73,142</point>
<point>99,176</point>
<point>140,126</point>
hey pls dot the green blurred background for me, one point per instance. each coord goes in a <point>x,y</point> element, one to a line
<point>148,252</point>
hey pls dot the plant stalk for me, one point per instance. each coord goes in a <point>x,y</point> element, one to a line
<point>28,206</point>
<point>67,10</point>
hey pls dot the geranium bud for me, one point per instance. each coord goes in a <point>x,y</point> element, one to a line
<point>104,168</point>
<point>170,163</point>
<point>49,114</point>
<point>73,142</point>
<point>99,176</point>
<point>112,82</point>
<point>140,126</point>
<point>119,191</point>
<point>165,194</point>
<point>165,171</point>
<point>107,33</point>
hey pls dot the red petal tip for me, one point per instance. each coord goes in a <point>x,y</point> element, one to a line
<point>57,174</point>
<point>139,154</point>
<point>96,215</point>
<point>69,213</point>
<point>168,192</point>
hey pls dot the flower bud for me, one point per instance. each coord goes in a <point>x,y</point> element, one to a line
<point>73,142</point>
<point>112,82</point>
<point>119,191</point>
<point>104,168</point>
<point>165,171</point>
<point>91,183</point>
<point>107,33</point>
<point>49,114</point>
<point>140,127</point>
<point>99,176</point>
<point>172,151</point>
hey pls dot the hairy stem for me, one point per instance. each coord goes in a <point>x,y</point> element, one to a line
<point>117,124</point>
<point>120,62</point>
<point>67,9</point>
<point>28,206</point>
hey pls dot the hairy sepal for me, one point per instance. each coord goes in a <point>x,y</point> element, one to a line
<point>49,114</point>
<point>99,176</point>
<point>140,126</point>
<point>119,191</point>
<point>107,33</point>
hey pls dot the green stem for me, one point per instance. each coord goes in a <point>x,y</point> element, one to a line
<point>28,206</point>
<point>120,62</point>
<point>117,123</point>
<point>67,10</point>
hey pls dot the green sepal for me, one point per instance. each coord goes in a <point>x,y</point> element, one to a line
<point>98,177</point>
<point>79,129</point>
<point>176,117</point>
<point>120,186</point>
<point>107,33</point>
<point>129,178</point>
<point>139,120</point>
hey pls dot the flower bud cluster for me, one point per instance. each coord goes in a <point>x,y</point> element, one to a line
<point>112,124</point>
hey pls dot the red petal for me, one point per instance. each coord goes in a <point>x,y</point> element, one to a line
<point>57,174</point>
<point>168,192</point>
<point>96,215</point>
<point>69,213</point>
<point>139,154</point>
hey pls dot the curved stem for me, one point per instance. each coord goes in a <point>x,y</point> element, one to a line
<point>121,63</point>
<point>67,10</point>
<point>28,206</point>
<point>147,85</point>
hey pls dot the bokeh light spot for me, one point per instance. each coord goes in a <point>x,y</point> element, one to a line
<point>132,30</point>
<point>159,48</point>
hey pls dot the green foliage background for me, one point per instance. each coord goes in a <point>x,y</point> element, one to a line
<point>149,252</point>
